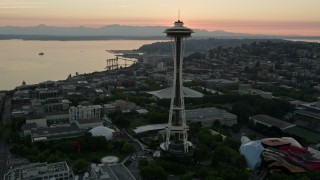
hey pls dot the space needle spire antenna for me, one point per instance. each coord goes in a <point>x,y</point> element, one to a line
<point>176,132</point>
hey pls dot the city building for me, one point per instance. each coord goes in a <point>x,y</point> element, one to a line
<point>207,117</point>
<point>121,105</point>
<point>36,171</point>
<point>26,128</point>
<point>84,112</point>
<point>308,119</point>
<point>109,172</point>
<point>222,83</point>
<point>48,93</point>
<point>109,108</point>
<point>89,123</point>
<point>53,133</point>
<point>50,105</point>
<point>270,121</point>
<point>49,120</point>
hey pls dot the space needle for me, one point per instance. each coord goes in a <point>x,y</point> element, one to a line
<point>176,141</point>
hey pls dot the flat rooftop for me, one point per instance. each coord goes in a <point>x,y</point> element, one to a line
<point>309,114</point>
<point>204,114</point>
<point>87,121</point>
<point>265,119</point>
<point>55,133</point>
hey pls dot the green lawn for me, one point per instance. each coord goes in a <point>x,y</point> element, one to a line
<point>311,137</point>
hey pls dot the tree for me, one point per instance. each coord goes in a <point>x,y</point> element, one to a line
<point>186,176</point>
<point>128,147</point>
<point>157,117</point>
<point>153,172</point>
<point>142,163</point>
<point>202,173</point>
<point>81,165</point>
<point>121,121</point>
<point>200,154</point>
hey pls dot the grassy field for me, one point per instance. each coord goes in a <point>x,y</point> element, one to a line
<point>311,137</point>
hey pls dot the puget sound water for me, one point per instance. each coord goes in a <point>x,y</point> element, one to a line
<point>20,60</point>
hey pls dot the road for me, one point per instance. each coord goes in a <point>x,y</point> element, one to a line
<point>138,145</point>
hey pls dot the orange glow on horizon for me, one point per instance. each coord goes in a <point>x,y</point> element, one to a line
<point>275,17</point>
<point>250,27</point>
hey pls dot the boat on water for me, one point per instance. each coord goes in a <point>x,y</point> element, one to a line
<point>41,54</point>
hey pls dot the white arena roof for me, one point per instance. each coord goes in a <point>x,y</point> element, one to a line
<point>109,160</point>
<point>167,93</point>
<point>102,131</point>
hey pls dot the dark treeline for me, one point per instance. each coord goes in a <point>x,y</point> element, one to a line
<point>201,45</point>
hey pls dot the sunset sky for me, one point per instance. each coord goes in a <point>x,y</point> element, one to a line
<point>290,17</point>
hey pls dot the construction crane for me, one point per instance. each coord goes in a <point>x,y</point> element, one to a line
<point>114,63</point>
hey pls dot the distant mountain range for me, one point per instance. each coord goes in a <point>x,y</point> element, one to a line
<point>43,32</point>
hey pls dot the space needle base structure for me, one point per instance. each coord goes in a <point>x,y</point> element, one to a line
<point>176,140</point>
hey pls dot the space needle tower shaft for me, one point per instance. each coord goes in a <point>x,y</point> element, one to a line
<point>177,120</point>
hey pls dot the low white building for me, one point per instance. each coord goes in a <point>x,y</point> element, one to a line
<point>84,112</point>
<point>102,131</point>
